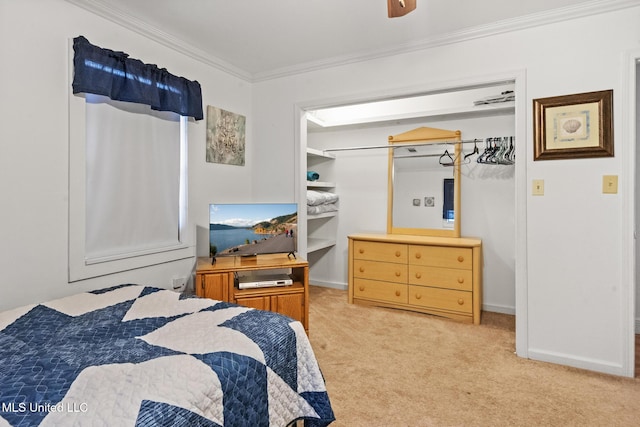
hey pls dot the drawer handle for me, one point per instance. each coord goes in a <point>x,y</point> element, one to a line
<point>460,301</point>
<point>461,258</point>
<point>361,250</point>
<point>361,288</point>
<point>398,273</point>
<point>397,293</point>
<point>398,253</point>
<point>418,255</point>
<point>461,280</point>
<point>418,275</point>
<point>361,269</point>
<point>418,296</point>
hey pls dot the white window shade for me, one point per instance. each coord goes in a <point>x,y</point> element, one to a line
<point>132,179</point>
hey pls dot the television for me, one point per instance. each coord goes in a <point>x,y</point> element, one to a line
<point>252,229</point>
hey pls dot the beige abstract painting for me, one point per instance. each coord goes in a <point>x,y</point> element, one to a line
<point>225,137</point>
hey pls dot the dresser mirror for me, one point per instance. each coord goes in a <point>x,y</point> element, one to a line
<point>424,183</point>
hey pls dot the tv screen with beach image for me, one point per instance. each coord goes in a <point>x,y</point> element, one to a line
<point>252,229</point>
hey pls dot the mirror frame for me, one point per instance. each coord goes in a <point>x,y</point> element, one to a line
<point>427,135</point>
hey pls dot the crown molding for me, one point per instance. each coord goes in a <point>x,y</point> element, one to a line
<point>514,24</point>
<point>103,9</point>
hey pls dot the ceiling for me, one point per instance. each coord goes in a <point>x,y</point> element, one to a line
<point>260,39</point>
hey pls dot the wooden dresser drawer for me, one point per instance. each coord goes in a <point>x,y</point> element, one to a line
<point>380,291</point>
<point>386,252</point>
<point>385,271</point>
<point>444,299</point>
<point>449,278</point>
<point>441,256</point>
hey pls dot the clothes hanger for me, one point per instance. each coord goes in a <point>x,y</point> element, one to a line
<point>446,156</point>
<point>499,157</point>
<point>511,154</point>
<point>482,158</point>
<point>506,154</point>
<point>474,151</point>
<point>498,151</point>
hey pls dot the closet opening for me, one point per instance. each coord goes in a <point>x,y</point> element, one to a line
<point>493,204</point>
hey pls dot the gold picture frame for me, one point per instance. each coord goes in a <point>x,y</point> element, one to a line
<point>573,126</point>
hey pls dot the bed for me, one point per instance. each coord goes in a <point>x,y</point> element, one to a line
<point>135,355</point>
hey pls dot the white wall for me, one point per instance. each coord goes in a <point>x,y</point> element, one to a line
<point>574,294</point>
<point>34,41</point>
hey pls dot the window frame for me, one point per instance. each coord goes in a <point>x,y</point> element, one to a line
<point>79,267</point>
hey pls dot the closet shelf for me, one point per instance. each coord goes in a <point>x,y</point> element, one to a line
<point>319,153</point>
<point>314,244</point>
<point>322,215</point>
<point>471,111</point>
<point>320,184</point>
<point>475,111</point>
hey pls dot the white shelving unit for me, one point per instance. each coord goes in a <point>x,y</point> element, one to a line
<point>318,157</point>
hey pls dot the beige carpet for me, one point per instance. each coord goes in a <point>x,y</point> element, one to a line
<point>394,368</point>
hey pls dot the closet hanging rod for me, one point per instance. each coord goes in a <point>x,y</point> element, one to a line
<point>415,156</point>
<point>402,145</point>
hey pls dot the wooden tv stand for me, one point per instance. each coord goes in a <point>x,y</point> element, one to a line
<point>217,282</point>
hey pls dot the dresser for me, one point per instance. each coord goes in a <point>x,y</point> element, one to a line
<point>435,275</point>
<point>217,281</point>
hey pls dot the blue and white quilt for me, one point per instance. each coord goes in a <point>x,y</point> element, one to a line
<point>142,356</point>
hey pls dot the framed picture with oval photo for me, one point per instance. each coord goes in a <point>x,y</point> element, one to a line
<point>573,126</point>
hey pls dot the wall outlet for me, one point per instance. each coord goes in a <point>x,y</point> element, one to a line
<point>179,284</point>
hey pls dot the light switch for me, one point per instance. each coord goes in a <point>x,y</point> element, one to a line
<point>537,187</point>
<point>610,184</point>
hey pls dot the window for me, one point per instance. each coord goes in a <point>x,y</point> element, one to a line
<point>127,187</point>
<point>127,162</point>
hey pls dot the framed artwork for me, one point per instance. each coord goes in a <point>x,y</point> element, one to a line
<point>573,126</point>
<point>225,137</point>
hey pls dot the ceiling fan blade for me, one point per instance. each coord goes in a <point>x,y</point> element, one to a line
<point>398,8</point>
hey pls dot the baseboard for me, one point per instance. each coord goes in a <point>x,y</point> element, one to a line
<point>323,284</point>
<point>576,362</point>
<point>499,309</point>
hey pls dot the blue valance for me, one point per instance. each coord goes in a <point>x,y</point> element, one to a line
<point>113,74</point>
